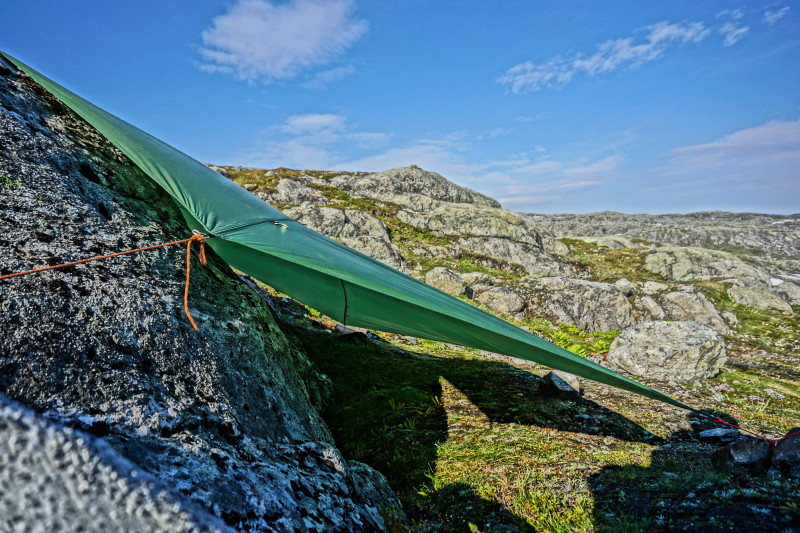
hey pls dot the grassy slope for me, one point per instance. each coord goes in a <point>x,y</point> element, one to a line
<point>471,443</point>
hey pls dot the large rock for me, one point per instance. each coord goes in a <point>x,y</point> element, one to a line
<point>759,298</point>
<point>699,264</point>
<point>693,307</point>
<point>58,479</point>
<point>786,456</point>
<point>788,291</point>
<point>670,351</point>
<point>590,305</point>
<point>229,415</point>
<point>502,299</point>
<point>404,185</point>
<point>747,453</point>
<point>446,280</point>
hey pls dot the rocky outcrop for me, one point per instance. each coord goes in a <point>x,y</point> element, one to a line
<point>356,229</point>
<point>694,307</point>
<point>590,305</point>
<point>503,300</point>
<point>228,416</point>
<point>295,192</point>
<point>698,264</point>
<point>759,298</point>
<point>670,351</point>
<point>446,280</point>
<point>775,237</point>
<point>408,184</point>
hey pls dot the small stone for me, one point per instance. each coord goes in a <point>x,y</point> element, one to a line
<point>720,436</point>
<point>562,384</point>
<point>653,287</point>
<point>627,288</point>
<point>774,394</point>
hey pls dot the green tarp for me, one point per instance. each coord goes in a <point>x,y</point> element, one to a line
<point>344,284</point>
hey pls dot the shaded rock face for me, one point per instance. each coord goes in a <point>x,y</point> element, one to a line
<point>407,184</point>
<point>670,351</point>
<point>590,305</point>
<point>58,479</point>
<point>227,416</point>
<point>786,456</point>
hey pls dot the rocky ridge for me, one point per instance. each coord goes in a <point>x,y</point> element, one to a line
<point>555,267</point>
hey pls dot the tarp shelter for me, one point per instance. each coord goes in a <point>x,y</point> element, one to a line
<point>346,285</point>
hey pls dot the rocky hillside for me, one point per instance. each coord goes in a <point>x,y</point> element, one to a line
<point>114,413</point>
<point>702,306</point>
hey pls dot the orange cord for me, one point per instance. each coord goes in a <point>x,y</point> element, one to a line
<point>199,237</point>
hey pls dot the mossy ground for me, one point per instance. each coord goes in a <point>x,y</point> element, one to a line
<point>471,443</point>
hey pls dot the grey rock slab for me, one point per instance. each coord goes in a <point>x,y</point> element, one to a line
<point>699,264</point>
<point>591,305</point>
<point>694,307</point>
<point>669,351</point>
<point>759,298</point>
<point>56,479</point>
<point>720,436</point>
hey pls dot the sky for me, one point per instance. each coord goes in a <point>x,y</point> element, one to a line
<point>550,106</point>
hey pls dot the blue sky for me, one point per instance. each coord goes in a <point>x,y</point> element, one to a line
<point>549,106</point>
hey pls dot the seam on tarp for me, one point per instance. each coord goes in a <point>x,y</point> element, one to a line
<point>277,221</point>
<point>344,293</point>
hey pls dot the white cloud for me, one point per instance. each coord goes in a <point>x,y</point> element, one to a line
<point>732,31</point>
<point>257,39</point>
<point>610,55</point>
<point>773,16</point>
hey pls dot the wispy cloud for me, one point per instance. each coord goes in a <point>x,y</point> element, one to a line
<point>326,77</point>
<point>764,158</point>
<point>771,16</point>
<point>257,39</point>
<point>732,30</point>
<point>610,55</point>
<point>312,140</point>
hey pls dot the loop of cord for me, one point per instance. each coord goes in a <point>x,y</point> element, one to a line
<point>772,442</point>
<point>197,237</point>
